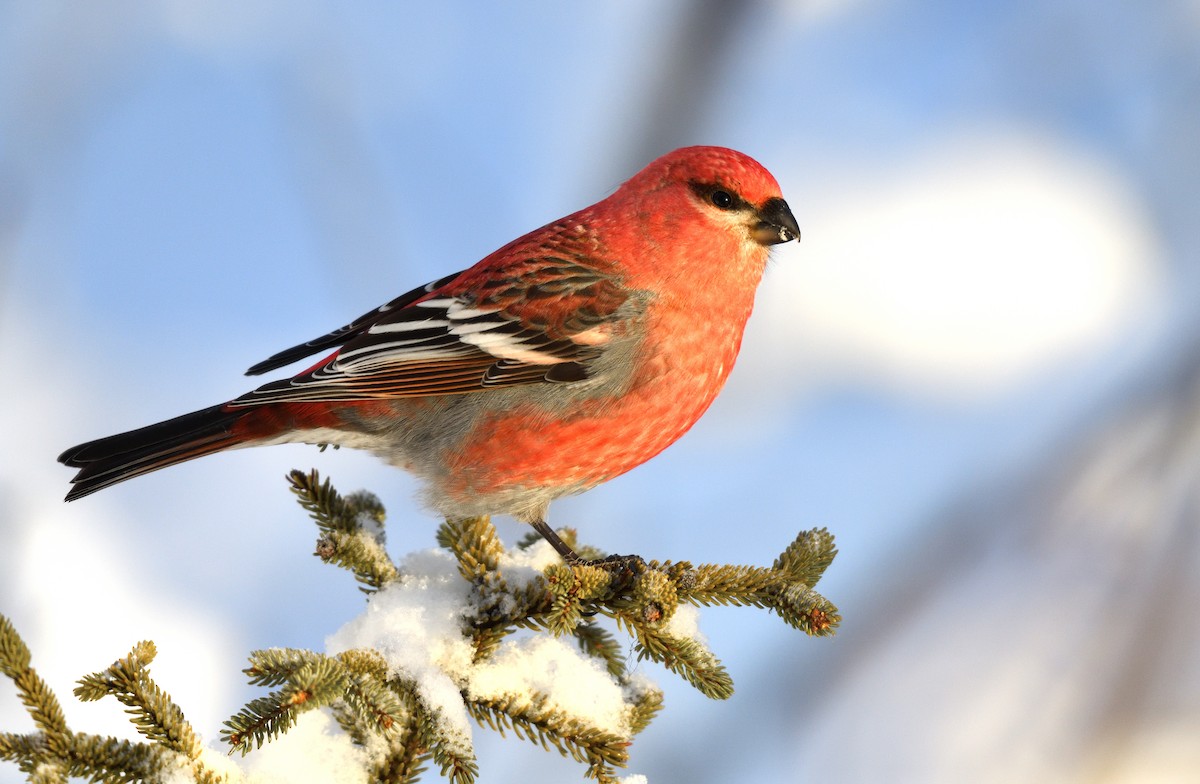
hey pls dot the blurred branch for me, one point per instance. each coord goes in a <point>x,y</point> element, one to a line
<point>683,82</point>
<point>1101,534</point>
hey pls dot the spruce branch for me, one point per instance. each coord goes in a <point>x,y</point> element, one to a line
<point>807,557</point>
<point>112,760</point>
<point>376,703</point>
<point>364,693</point>
<point>262,719</point>
<point>153,711</point>
<point>88,756</point>
<point>375,706</point>
<point>28,751</point>
<point>785,587</point>
<point>532,718</point>
<point>645,703</point>
<point>352,534</point>
<point>54,753</point>
<point>475,544</point>
<point>455,762</point>
<point>316,682</point>
<point>381,706</point>
<point>35,695</point>
<point>500,606</point>
<point>275,666</point>
<point>599,643</point>
<point>684,656</point>
<point>573,592</point>
<point>403,762</point>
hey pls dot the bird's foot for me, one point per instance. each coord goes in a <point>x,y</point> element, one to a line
<point>618,565</point>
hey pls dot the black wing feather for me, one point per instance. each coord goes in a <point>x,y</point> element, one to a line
<point>348,332</point>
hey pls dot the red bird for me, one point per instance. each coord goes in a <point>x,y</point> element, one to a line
<point>560,361</point>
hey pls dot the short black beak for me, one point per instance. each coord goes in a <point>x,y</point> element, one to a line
<point>776,223</point>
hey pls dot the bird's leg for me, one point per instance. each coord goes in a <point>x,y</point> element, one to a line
<point>631,563</point>
<point>561,547</point>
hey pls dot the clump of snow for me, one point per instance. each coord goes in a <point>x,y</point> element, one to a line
<point>370,525</point>
<point>216,760</point>
<point>574,683</point>
<point>524,565</point>
<point>521,567</point>
<point>686,623</point>
<point>415,624</point>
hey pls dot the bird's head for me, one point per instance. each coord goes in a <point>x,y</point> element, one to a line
<point>728,189</point>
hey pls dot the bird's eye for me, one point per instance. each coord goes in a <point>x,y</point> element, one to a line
<point>721,199</point>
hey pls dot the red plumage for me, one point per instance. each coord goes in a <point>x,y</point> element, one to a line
<point>561,360</point>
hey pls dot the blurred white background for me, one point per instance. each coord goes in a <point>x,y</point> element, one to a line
<point>979,368</point>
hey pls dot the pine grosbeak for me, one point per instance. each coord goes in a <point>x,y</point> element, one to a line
<point>560,361</point>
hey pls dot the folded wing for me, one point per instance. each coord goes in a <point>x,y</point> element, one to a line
<point>535,320</point>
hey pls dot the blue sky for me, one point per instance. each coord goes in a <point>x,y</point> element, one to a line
<point>998,204</point>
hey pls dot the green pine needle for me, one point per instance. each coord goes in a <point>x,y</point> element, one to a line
<point>153,712</point>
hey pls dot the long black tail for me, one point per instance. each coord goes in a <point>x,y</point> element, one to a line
<point>107,461</point>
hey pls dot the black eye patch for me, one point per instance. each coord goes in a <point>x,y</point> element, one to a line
<point>721,197</point>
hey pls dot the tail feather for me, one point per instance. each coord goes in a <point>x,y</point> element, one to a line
<point>107,461</point>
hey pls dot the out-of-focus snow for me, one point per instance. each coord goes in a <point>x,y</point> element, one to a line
<point>314,750</point>
<point>982,260</point>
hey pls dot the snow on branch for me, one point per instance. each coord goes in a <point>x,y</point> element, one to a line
<point>436,651</point>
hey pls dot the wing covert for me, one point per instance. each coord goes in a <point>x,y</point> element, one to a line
<point>540,320</point>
